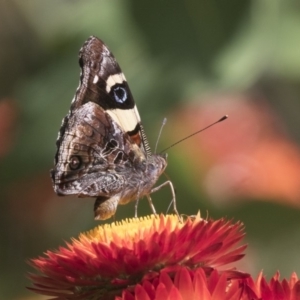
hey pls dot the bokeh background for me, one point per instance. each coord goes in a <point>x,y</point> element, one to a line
<point>190,61</point>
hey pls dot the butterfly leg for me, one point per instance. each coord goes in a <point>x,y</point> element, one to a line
<point>151,204</point>
<point>173,195</point>
<point>136,207</point>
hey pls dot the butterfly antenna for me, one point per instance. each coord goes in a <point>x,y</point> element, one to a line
<point>187,137</point>
<point>160,131</point>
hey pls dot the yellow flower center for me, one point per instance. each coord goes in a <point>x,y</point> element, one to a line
<point>131,229</point>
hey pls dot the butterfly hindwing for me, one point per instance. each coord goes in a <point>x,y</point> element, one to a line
<point>93,143</point>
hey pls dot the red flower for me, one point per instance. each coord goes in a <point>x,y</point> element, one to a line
<point>196,284</point>
<point>110,258</point>
<point>187,285</point>
<point>284,290</point>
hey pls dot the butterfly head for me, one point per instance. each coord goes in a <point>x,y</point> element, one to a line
<point>156,164</point>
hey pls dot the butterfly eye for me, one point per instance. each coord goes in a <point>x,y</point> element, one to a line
<point>120,94</point>
<point>75,162</point>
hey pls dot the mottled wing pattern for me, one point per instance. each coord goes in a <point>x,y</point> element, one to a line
<point>91,148</point>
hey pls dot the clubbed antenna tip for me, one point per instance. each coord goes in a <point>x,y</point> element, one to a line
<point>223,118</point>
<point>220,120</point>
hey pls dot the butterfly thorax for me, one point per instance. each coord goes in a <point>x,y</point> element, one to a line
<point>140,182</point>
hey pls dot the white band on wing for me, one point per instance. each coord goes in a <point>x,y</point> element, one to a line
<point>127,119</point>
<point>114,79</point>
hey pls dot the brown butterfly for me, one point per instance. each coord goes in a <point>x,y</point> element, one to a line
<point>102,150</point>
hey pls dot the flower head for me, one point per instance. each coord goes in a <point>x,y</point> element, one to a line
<point>108,259</point>
<point>187,285</point>
<point>196,284</point>
<point>275,289</point>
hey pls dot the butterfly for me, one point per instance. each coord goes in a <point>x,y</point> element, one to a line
<point>102,149</point>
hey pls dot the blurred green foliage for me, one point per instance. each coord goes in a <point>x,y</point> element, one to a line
<point>170,52</point>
